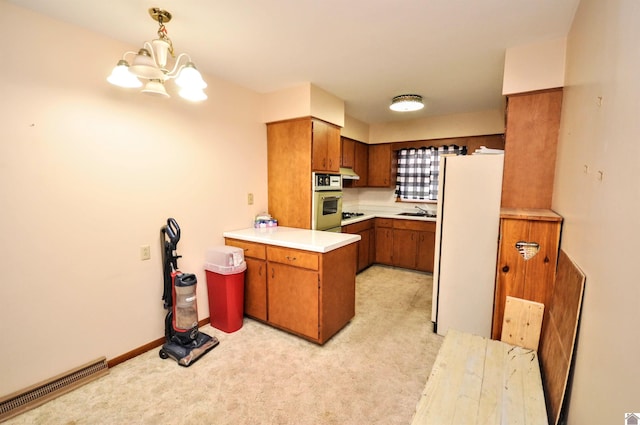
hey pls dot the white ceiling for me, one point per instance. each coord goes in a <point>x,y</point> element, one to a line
<point>364,52</point>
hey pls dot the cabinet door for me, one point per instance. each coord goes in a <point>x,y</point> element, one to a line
<point>380,166</point>
<point>405,246</point>
<point>288,165</point>
<point>348,153</point>
<point>372,246</point>
<point>255,289</point>
<point>363,249</point>
<point>325,147</point>
<point>293,299</point>
<point>361,164</point>
<point>384,245</point>
<point>426,245</point>
<point>510,278</point>
<point>540,271</point>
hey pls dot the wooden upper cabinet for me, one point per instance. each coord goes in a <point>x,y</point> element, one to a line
<point>361,164</point>
<point>355,155</point>
<point>348,153</point>
<point>295,148</point>
<point>531,137</point>
<point>381,166</point>
<point>289,172</point>
<point>326,147</point>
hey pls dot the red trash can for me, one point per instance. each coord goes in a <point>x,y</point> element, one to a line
<point>225,268</point>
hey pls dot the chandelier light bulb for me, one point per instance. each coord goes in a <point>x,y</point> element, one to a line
<point>194,95</point>
<point>121,77</point>
<point>155,88</point>
<point>190,78</point>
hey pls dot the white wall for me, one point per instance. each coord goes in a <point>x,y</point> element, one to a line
<point>601,228</point>
<point>478,123</point>
<point>355,129</point>
<point>89,173</point>
<point>302,101</point>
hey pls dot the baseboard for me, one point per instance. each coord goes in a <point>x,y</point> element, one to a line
<point>143,349</point>
<point>40,393</point>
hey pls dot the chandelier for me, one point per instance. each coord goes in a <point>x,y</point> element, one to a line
<point>406,103</point>
<point>150,65</point>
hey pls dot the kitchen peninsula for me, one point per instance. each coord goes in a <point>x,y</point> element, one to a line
<point>301,281</point>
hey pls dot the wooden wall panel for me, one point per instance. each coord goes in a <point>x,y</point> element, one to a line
<point>531,137</point>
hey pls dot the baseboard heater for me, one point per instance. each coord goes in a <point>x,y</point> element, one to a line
<point>38,394</point>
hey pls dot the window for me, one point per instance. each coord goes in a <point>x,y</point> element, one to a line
<point>418,170</point>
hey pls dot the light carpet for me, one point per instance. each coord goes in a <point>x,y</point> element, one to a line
<point>371,372</point>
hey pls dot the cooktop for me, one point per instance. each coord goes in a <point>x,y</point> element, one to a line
<point>347,215</point>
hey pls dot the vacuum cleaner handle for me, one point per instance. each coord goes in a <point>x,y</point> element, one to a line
<point>173,231</point>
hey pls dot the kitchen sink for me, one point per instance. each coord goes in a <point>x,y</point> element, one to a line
<point>417,214</point>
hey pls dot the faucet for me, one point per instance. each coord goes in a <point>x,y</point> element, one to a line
<point>422,210</point>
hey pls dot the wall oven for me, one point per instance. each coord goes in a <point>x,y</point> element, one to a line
<point>326,208</point>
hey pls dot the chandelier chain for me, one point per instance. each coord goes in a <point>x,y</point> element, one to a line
<point>162,33</point>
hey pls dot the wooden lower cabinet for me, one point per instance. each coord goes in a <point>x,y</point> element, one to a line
<point>405,248</point>
<point>306,293</point>
<point>287,283</point>
<point>405,243</point>
<point>384,241</point>
<point>426,249</point>
<point>255,293</point>
<point>413,244</point>
<point>366,245</point>
<point>520,272</point>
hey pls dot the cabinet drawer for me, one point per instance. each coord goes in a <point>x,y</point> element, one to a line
<point>384,222</point>
<point>251,249</point>
<point>293,257</point>
<point>425,226</point>
<point>358,227</point>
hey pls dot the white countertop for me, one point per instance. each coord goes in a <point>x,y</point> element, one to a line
<point>394,215</point>
<point>290,237</point>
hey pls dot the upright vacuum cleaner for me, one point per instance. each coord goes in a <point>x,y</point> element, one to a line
<point>185,343</point>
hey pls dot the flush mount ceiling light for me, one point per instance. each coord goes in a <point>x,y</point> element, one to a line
<point>149,65</point>
<point>406,103</point>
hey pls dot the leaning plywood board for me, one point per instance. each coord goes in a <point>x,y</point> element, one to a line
<point>559,333</point>
<point>522,322</point>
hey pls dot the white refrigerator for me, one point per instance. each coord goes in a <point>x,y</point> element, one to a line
<point>467,229</point>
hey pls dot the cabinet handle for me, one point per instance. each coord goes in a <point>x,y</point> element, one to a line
<point>290,258</point>
<point>272,273</point>
<point>260,271</point>
<point>505,269</point>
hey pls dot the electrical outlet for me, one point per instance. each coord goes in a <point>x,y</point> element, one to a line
<point>145,252</point>
<point>250,198</point>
